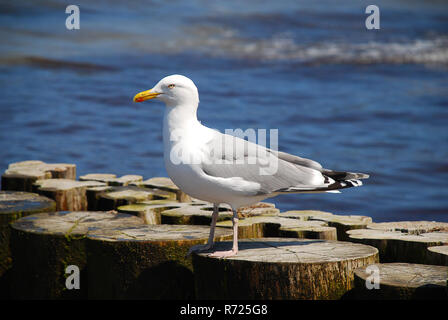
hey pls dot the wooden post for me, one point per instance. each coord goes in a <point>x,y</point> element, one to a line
<point>191,213</point>
<point>410,227</point>
<point>14,205</point>
<point>68,194</point>
<point>395,246</point>
<point>100,177</point>
<point>165,184</point>
<point>281,268</point>
<point>111,197</point>
<point>111,179</point>
<point>401,281</point>
<point>150,210</point>
<point>200,213</point>
<point>43,245</point>
<point>438,255</point>
<point>145,262</point>
<point>274,226</point>
<point>20,176</point>
<point>308,232</point>
<point>340,222</point>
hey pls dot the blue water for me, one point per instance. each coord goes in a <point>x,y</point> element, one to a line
<point>352,99</point>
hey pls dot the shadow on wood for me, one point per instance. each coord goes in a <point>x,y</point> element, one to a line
<point>402,281</point>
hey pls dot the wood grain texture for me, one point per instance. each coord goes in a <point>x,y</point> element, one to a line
<point>15,205</point>
<point>111,179</point>
<point>145,262</point>
<point>281,268</point>
<point>44,244</point>
<point>21,176</point>
<point>192,213</point>
<point>403,281</point>
<point>342,223</point>
<point>106,198</point>
<point>410,227</point>
<point>438,255</point>
<point>395,246</point>
<point>68,194</point>
<point>274,226</point>
<point>166,184</point>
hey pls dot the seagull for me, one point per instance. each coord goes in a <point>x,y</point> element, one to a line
<point>226,169</point>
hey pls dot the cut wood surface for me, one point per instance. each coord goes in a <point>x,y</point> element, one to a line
<point>44,244</point>
<point>20,176</point>
<point>101,177</point>
<point>342,223</point>
<point>145,262</point>
<point>68,194</point>
<point>308,232</point>
<point>281,268</point>
<point>410,227</point>
<point>14,205</point>
<point>111,179</point>
<point>396,246</point>
<point>111,197</point>
<point>402,281</point>
<point>17,204</point>
<point>166,184</point>
<point>200,213</point>
<point>438,255</point>
<point>257,209</point>
<point>160,212</point>
<point>274,226</point>
<point>192,213</point>
<point>150,211</point>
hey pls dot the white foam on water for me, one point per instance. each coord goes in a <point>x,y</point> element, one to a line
<point>222,42</point>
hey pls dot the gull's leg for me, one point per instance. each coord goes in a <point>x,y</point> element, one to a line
<point>234,251</point>
<point>211,237</point>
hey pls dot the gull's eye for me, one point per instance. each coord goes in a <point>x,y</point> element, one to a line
<point>171,86</point>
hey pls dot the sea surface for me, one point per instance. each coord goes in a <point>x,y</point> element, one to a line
<point>373,101</point>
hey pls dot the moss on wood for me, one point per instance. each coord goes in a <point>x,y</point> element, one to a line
<point>44,244</point>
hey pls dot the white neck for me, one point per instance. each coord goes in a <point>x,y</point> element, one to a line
<point>180,117</point>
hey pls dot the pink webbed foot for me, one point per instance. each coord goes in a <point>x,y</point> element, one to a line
<point>223,254</point>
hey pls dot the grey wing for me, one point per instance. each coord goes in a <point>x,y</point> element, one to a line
<point>337,175</point>
<point>274,171</point>
<point>234,157</point>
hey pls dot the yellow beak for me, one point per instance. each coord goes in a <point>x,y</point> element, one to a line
<point>145,95</point>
